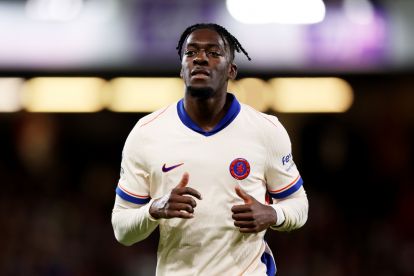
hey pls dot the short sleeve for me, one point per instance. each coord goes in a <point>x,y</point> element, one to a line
<point>282,175</point>
<point>133,184</point>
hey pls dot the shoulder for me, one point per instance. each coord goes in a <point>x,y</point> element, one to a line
<point>271,129</point>
<point>149,125</point>
<point>262,120</point>
<point>154,120</point>
<point>156,116</point>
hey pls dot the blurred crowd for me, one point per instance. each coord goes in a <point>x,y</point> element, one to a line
<point>58,173</point>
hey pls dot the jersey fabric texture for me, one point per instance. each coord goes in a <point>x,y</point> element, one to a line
<point>246,148</point>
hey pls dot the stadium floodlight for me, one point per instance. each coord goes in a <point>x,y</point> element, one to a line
<point>142,94</point>
<point>253,91</point>
<point>63,94</point>
<point>311,95</point>
<point>277,11</point>
<point>10,90</point>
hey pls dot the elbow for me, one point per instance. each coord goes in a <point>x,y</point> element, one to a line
<point>122,239</point>
<point>127,239</point>
<point>304,218</point>
<point>302,211</point>
<point>120,235</point>
<point>303,215</point>
<point>296,215</point>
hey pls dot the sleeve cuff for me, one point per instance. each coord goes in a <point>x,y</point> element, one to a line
<point>147,208</point>
<point>279,214</point>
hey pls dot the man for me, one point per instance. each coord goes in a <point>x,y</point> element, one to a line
<point>201,170</point>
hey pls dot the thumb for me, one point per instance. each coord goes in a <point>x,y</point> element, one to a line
<point>183,181</point>
<point>242,194</point>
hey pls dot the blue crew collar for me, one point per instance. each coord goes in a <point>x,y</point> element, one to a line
<point>224,122</point>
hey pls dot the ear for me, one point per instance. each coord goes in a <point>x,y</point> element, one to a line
<point>181,73</point>
<point>232,72</point>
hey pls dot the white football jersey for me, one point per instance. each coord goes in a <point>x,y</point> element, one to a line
<point>247,147</point>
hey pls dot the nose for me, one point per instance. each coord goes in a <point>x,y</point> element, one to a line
<point>200,58</point>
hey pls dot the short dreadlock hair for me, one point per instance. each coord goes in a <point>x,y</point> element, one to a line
<point>227,37</point>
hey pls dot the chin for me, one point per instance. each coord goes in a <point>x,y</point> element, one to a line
<point>200,92</point>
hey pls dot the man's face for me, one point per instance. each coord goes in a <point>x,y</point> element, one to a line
<point>206,65</point>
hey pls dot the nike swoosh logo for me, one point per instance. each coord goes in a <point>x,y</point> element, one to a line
<point>167,169</point>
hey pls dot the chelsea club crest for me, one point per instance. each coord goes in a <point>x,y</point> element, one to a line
<point>239,168</point>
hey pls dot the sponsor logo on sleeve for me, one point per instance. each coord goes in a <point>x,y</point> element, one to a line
<point>287,160</point>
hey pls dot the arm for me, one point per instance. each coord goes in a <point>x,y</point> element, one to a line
<point>134,222</point>
<point>292,211</point>
<point>130,219</point>
<point>283,181</point>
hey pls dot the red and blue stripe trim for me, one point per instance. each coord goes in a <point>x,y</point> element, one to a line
<point>288,189</point>
<point>131,197</point>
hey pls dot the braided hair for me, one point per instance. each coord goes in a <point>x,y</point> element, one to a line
<point>227,37</point>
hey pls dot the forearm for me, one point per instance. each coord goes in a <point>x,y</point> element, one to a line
<point>131,223</point>
<point>294,209</point>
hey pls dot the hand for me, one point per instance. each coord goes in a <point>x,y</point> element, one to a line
<point>252,216</point>
<point>175,204</point>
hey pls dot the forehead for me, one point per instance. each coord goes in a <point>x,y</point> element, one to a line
<point>205,37</point>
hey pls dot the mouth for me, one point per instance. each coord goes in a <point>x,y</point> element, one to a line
<point>200,72</point>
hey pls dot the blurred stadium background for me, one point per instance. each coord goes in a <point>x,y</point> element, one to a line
<point>76,75</point>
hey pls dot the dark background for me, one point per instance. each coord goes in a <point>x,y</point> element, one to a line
<point>58,174</point>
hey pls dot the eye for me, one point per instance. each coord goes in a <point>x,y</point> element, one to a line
<point>189,53</point>
<point>215,53</point>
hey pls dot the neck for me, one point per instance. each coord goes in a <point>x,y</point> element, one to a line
<point>207,112</point>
